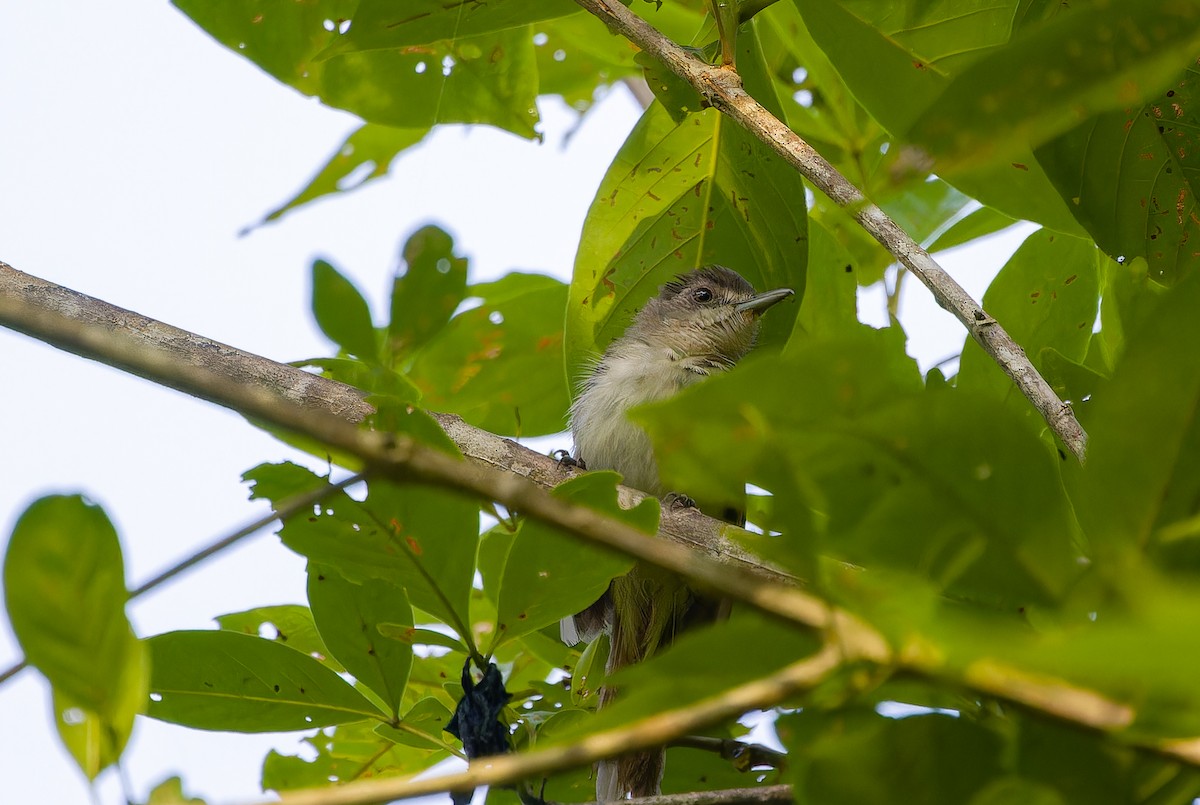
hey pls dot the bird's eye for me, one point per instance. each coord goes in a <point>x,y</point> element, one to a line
<point>702,295</point>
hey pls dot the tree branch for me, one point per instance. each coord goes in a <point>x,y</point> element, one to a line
<point>655,730</point>
<point>757,795</point>
<point>722,88</point>
<point>304,403</point>
<point>210,370</point>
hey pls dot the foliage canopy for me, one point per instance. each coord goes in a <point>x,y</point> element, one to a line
<point>940,511</point>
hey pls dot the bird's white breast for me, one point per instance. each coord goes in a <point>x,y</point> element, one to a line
<point>630,374</point>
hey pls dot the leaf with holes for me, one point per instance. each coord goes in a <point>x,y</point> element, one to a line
<point>1052,76</point>
<point>490,78</point>
<point>349,615</point>
<point>386,25</point>
<point>426,295</point>
<point>1130,178</point>
<point>288,624</point>
<point>500,365</point>
<point>419,537</point>
<point>227,681</point>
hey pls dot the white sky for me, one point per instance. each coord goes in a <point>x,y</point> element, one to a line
<point>132,151</point>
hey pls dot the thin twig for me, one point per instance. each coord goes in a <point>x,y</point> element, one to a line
<point>722,89</point>
<point>285,510</point>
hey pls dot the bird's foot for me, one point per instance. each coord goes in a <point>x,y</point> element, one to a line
<point>678,500</point>
<point>565,459</point>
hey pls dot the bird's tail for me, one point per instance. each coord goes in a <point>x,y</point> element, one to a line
<point>648,608</point>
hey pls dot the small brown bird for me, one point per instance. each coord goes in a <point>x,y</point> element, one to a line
<point>700,324</point>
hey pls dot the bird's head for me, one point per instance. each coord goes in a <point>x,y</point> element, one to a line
<point>710,314</point>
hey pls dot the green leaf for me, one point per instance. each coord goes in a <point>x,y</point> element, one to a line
<point>982,756</point>
<point>349,615</point>
<point>412,636</point>
<point>1047,297</point>
<point>170,792</point>
<point>677,96</point>
<point>342,754</point>
<point>685,673</point>
<point>342,312</point>
<point>576,54</point>
<point>983,221</point>
<point>371,378</point>
<point>222,680</point>
<point>1019,189</point>
<point>944,485</point>
<point>1128,300</point>
<point>419,537</point>
<point>588,676</point>
<point>436,676</point>
<point>549,575</point>
<point>1130,178</point>
<point>831,119</point>
<point>679,196</point>
<point>383,25</point>
<point>710,437</point>
<point>426,295</point>
<point>500,365</point>
<point>290,624</point>
<point>422,726</point>
<point>860,757</point>
<point>922,208</point>
<point>392,415</point>
<point>489,78</point>
<point>365,155</point>
<point>897,58</point>
<point>1072,381</point>
<point>64,585</point>
<point>1096,57</point>
<point>830,306</point>
<point>93,741</point>
<point>1141,473</point>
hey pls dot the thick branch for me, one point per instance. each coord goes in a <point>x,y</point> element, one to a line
<point>500,470</point>
<point>271,392</point>
<point>212,371</point>
<point>722,88</point>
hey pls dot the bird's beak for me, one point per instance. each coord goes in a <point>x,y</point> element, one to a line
<point>762,301</point>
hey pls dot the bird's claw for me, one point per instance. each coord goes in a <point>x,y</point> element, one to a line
<point>678,500</point>
<point>565,459</point>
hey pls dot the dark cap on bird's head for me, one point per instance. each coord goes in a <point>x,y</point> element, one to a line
<point>711,312</point>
